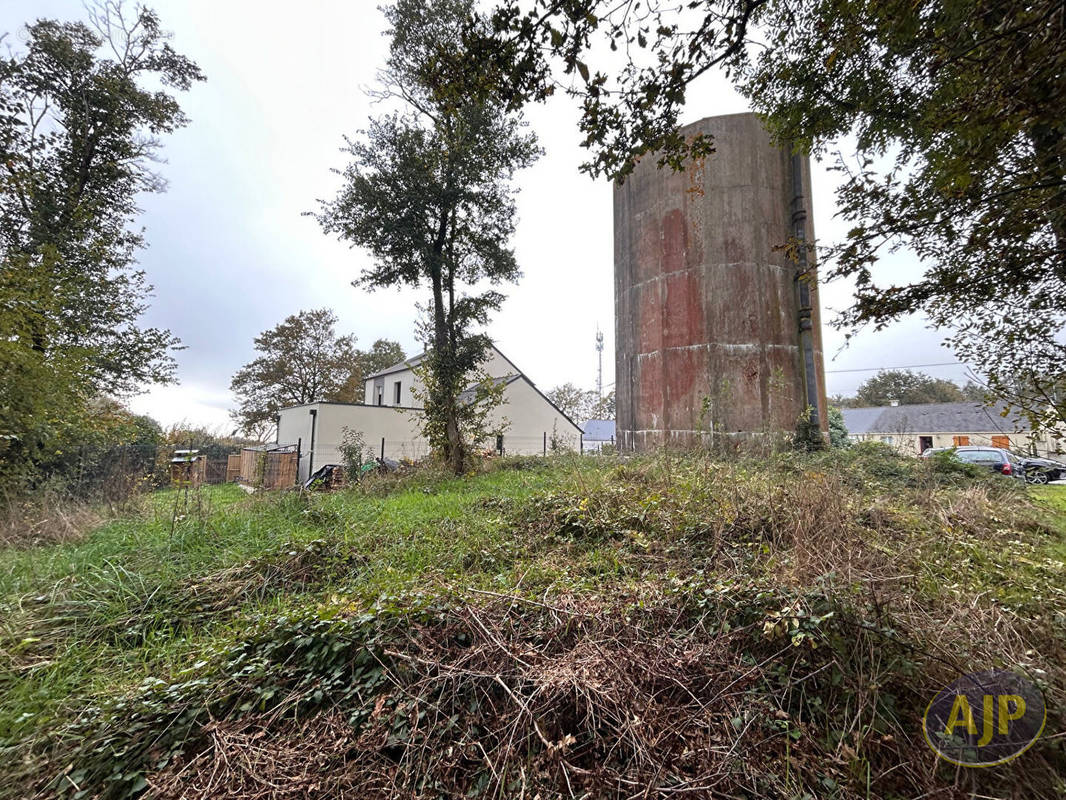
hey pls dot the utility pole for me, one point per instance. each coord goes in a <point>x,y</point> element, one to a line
<point>599,355</point>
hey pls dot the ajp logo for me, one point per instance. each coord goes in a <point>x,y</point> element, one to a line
<point>985,718</point>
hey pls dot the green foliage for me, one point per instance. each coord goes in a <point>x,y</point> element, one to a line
<point>822,578</point>
<point>428,192</point>
<point>967,172</point>
<point>628,108</point>
<point>946,463</point>
<point>42,409</point>
<point>302,360</point>
<point>973,182</point>
<point>906,388</point>
<point>558,443</point>
<point>582,405</point>
<point>911,388</point>
<point>954,147</point>
<point>809,434</point>
<point>211,444</point>
<point>838,430</point>
<point>79,130</point>
<point>383,353</point>
<point>105,447</point>
<point>474,406</point>
<point>82,108</point>
<point>354,453</point>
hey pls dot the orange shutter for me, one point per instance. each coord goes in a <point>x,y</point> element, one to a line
<point>960,441</point>
<point>1001,441</point>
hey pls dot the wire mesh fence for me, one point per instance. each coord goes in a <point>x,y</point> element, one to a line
<point>324,453</point>
<point>116,473</point>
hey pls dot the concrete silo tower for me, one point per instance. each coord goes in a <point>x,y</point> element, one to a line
<point>717,334</point>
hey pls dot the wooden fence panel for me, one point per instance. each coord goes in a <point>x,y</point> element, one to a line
<point>282,472</point>
<point>233,467</point>
<point>250,467</point>
<point>269,470</point>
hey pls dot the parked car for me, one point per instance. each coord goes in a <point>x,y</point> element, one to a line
<point>995,458</point>
<point>1043,470</point>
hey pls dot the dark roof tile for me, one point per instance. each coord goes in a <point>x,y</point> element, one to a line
<point>931,418</point>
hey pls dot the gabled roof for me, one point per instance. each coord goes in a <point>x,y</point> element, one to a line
<point>931,418</point>
<point>467,395</point>
<point>410,363</point>
<point>861,420</point>
<point>414,361</point>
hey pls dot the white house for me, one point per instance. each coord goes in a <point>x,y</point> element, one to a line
<point>916,428</point>
<point>389,418</point>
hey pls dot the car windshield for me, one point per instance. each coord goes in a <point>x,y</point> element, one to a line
<point>979,456</point>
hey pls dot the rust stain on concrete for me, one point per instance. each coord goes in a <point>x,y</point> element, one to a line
<point>706,307</point>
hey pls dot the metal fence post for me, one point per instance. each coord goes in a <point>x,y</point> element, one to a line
<point>383,448</point>
<point>545,443</point>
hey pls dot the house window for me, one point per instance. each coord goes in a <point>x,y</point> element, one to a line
<point>886,440</point>
<point>924,443</point>
<point>396,393</point>
<point>960,441</point>
<point>1001,441</point>
<point>381,396</point>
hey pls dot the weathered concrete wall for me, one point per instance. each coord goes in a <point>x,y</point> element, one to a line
<point>706,310</point>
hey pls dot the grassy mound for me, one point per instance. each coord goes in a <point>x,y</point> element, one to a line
<point>655,627</point>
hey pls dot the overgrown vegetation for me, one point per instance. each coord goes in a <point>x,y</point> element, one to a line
<point>83,110</point>
<point>660,627</point>
<point>118,458</point>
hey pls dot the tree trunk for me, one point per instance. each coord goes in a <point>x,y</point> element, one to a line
<point>443,356</point>
<point>455,442</point>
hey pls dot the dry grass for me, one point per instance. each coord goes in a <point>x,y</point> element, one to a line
<point>518,699</point>
<point>266,758</point>
<point>46,519</point>
<point>655,628</point>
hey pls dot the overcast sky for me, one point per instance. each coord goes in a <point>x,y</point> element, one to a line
<point>230,254</point>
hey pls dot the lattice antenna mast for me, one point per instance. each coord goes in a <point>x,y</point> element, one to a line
<point>599,355</point>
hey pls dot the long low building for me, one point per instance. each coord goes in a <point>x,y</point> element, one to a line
<point>916,428</point>
<point>389,419</point>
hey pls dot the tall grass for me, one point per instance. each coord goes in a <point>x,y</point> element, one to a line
<point>214,604</point>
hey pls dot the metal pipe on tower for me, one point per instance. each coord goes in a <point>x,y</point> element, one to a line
<point>599,355</point>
